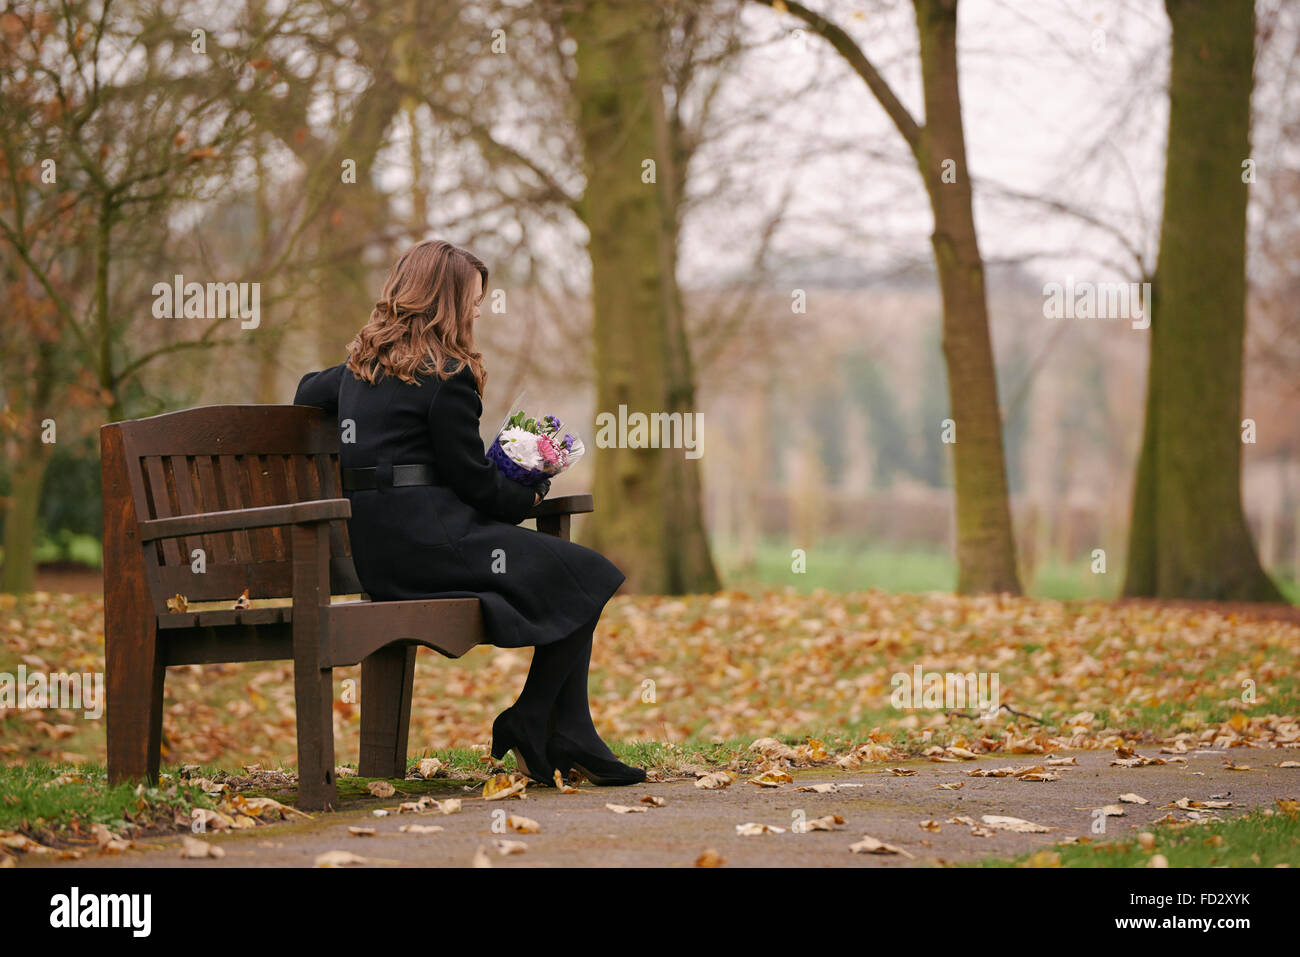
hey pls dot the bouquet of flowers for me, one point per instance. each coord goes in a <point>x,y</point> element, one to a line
<point>530,450</point>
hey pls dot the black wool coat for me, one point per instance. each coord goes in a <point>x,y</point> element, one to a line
<point>461,537</point>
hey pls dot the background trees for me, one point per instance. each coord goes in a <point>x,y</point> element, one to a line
<point>649,182</point>
<point>1188,537</point>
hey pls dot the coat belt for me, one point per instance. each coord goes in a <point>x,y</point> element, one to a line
<point>355,480</point>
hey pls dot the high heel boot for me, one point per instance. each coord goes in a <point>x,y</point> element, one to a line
<point>508,735</point>
<point>566,755</point>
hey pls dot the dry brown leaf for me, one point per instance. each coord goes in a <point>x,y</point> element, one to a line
<point>1003,823</point>
<point>771,779</point>
<point>714,779</point>
<point>710,858</point>
<point>751,829</point>
<point>773,749</point>
<point>827,823</point>
<point>192,848</point>
<point>502,786</point>
<point>339,859</point>
<point>869,845</point>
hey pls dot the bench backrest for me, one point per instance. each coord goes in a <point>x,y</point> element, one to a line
<point>214,459</point>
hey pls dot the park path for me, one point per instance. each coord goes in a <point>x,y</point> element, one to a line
<point>578,830</point>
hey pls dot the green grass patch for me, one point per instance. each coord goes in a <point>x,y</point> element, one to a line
<point>65,801</point>
<point>850,565</point>
<point>1265,837</point>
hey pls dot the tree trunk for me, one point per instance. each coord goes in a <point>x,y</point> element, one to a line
<point>690,561</point>
<point>649,522</point>
<point>18,576</point>
<point>986,548</point>
<point>1188,537</point>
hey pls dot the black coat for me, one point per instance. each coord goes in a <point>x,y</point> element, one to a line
<point>460,538</point>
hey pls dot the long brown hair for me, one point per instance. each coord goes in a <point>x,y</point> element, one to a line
<point>423,319</point>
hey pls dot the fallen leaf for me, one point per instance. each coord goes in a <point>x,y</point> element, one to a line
<point>714,779</point>
<point>869,845</point>
<point>771,779</point>
<point>752,829</point>
<point>338,859</point>
<point>1016,824</point>
<point>192,847</point>
<point>624,809</point>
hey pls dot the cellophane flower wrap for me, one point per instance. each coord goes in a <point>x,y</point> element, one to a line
<point>530,450</point>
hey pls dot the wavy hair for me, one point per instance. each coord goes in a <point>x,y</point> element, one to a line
<point>423,319</point>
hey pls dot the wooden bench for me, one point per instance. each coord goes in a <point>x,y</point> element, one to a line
<point>256,488</point>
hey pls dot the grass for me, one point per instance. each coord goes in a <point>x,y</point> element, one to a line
<point>1264,837</point>
<point>843,566</point>
<point>40,798</point>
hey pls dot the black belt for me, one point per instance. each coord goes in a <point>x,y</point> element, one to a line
<point>355,480</point>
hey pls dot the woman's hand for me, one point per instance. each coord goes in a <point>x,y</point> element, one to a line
<point>543,487</point>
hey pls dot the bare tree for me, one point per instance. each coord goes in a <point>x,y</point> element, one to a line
<point>986,549</point>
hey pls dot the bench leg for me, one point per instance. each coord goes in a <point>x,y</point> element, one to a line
<point>134,708</point>
<point>313,686</point>
<point>313,690</point>
<point>387,680</point>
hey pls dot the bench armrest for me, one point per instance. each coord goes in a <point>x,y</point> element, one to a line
<point>562,505</point>
<point>235,520</point>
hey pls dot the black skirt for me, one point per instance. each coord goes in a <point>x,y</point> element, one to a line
<point>535,588</point>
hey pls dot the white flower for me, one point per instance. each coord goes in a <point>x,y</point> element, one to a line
<point>521,446</point>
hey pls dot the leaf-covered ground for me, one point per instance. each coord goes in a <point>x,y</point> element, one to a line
<point>724,669</point>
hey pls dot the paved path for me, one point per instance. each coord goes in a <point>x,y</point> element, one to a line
<point>577,829</point>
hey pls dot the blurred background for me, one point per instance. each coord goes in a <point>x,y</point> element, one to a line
<point>771,267</point>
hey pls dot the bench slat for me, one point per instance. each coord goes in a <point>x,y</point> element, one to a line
<point>209,491</point>
<point>160,494</point>
<point>229,471</point>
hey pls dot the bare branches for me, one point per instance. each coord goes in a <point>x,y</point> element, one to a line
<point>852,53</point>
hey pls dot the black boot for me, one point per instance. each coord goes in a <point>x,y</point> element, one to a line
<point>508,734</point>
<point>565,755</point>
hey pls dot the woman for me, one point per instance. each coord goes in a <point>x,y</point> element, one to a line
<point>432,517</point>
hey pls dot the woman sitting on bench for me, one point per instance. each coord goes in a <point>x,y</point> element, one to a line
<point>432,517</point>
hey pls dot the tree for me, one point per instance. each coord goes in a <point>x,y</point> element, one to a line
<point>1188,536</point>
<point>630,209</point>
<point>986,548</point>
<point>112,118</point>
